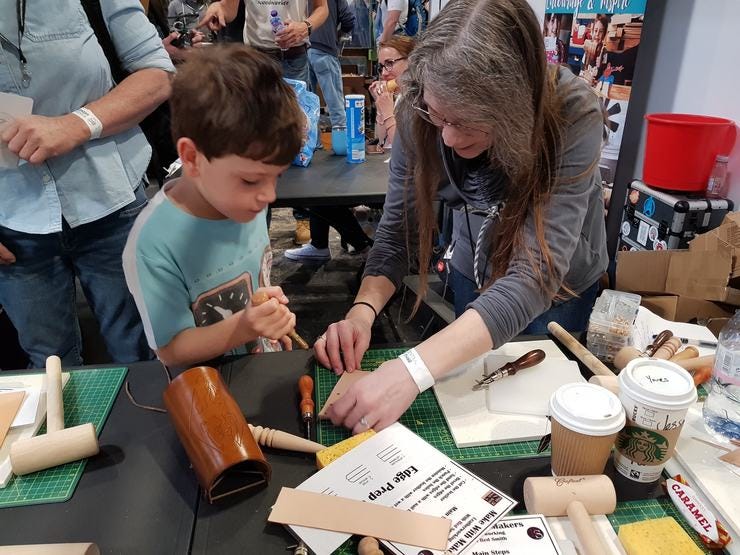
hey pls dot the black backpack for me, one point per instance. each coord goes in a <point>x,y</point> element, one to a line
<point>156,126</point>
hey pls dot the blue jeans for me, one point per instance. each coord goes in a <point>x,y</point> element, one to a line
<point>326,70</point>
<point>38,290</point>
<point>572,314</point>
<point>296,68</point>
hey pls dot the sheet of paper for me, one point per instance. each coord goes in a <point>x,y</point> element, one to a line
<point>398,469</point>
<point>528,534</point>
<point>30,406</point>
<point>11,106</point>
<point>648,324</point>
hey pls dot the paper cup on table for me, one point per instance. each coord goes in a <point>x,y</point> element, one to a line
<point>656,395</point>
<point>585,421</point>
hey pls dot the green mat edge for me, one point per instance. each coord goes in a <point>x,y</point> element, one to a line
<point>80,464</point>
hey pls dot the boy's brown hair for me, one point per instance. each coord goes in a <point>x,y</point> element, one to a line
<point>232,99</point>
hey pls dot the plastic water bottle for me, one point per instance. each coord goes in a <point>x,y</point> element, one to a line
<point>722,406</point>
<point>275,22</point>
<point>717,183</point>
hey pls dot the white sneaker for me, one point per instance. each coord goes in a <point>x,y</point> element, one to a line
<point>308,253</point>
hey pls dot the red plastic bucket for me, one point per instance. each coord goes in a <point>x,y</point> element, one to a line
<point>680,149</point>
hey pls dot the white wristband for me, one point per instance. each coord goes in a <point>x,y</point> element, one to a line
<point>91,120</point>
<point>418,370</point>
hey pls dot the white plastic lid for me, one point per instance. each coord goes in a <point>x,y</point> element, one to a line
<point>587,409</point>
<point>658,383</point>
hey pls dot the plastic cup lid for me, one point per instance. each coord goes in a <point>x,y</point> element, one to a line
<point>658,383</point>
<point>588,409</point>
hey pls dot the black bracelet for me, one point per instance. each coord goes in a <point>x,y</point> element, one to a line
<point>368,305</point>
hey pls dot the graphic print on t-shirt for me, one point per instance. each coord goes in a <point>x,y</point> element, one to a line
<point>223,301</point>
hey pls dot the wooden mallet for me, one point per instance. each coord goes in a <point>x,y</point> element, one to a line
<point>260,298</point>
<point>575,496</point>
<point>58,445</point>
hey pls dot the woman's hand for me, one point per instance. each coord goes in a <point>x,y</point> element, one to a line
<point>376,401</point>
<point>343,344</point>
<point>385,105</point>
<point>376,87</point>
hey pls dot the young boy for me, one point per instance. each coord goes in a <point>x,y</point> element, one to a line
<point>198,252</point>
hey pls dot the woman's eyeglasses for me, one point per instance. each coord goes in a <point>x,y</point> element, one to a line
<point>388,65</point>
<point>440,122</point>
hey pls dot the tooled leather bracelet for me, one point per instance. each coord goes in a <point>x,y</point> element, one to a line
<point>366,304</point>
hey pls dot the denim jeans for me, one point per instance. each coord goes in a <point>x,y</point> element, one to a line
<point>326,70</point>
<point>572,314</point>
<point>38,290</point>
<point>296,68</point>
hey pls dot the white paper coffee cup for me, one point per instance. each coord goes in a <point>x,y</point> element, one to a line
<point>585,421</point>
<point>656,395</point>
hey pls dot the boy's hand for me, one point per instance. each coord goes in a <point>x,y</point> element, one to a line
<point>271,318</point>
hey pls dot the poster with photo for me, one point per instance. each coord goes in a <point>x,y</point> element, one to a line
<point>599,41</point>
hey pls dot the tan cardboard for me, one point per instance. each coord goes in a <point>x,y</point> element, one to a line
<point>698,275</point>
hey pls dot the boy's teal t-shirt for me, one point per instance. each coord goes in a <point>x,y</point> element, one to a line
<point>184,271</point>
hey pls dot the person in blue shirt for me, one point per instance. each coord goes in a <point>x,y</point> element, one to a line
<point>200,251</point>
<point>68,205</point>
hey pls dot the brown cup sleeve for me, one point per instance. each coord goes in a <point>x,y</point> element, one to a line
<point>214,433</point>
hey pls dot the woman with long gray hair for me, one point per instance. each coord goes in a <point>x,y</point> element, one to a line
<point>512,144</point>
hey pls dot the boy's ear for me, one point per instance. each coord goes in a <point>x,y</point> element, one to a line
<point>188,153</point>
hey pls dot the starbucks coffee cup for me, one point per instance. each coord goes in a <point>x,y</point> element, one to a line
<point>656,395</point>
<point>585,419</point>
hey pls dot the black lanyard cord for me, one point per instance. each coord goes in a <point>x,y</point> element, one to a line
<point>20,8</point>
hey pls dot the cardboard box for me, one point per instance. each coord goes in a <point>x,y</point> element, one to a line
<point>685,309</point>
<point>725,238</point>
<point>694,274</point>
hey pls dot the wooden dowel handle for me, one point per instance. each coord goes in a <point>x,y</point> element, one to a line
<point>591,541</point>
<point>696,363</point>
<point>583,354</point>
<point>54,401</point>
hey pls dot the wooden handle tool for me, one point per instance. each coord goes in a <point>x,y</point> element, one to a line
<point>687,353</point>
<point>583,354</point>
<point>658,342</point>
<point>278,439</point>
<point>668,349</point>
<point>305,386</point>
<point>527,360</point>
<point>261,298</point>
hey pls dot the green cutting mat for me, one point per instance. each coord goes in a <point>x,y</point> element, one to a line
<point>424,418</point>
<point>627,512</point>
<point>88,397</point>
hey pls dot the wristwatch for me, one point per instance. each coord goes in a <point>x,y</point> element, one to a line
<point>309,27</point>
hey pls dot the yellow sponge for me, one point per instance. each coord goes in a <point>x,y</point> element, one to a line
<point>330,454</point>
<point>659,536</point>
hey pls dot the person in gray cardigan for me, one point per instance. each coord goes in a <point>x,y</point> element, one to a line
<point>513,144</point>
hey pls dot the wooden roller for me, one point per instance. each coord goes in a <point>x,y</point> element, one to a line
<point>668,349</point>
<point>58,445</point>
<point>277,439</point>
<point>609,382</point>
<point>583,354</point>
<point>578,497</point>
<point>696,363</point>
<point>260,298</point>
<point>687,353</point>
<point>51,549</point>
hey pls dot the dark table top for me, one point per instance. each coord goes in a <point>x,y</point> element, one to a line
<point>137,496</point>
<point>332,180</point>
<point>140,495</point>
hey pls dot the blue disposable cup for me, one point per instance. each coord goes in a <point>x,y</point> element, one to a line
<point>339,140</point>
<point>354,106</point>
